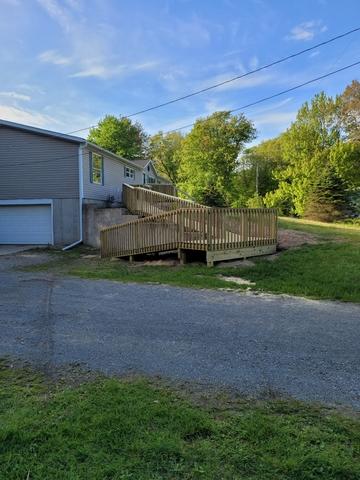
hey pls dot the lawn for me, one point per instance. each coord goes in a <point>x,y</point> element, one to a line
<point>327,231</point>
<point>327,270</point>
<point>133,429</point>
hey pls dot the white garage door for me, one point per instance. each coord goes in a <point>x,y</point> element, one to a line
<point>25,224</point>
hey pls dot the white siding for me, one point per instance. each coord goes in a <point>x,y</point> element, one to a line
<point>149,172</point>
<point>114,178</point>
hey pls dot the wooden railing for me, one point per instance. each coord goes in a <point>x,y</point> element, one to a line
<point>215,229</point>
<point>168,189</point>
<point>142,201</point>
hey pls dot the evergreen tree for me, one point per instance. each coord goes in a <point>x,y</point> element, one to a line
<point>327,200</point>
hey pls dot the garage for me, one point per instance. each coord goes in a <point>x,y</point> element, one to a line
<point>26,224</point>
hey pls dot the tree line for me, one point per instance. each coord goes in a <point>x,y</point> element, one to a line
<point>311,170</point>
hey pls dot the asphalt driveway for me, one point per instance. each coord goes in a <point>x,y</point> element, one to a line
<point>255,344</point>
<point>12,249</point>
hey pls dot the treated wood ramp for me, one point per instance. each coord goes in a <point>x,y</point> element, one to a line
<point>171,223</point>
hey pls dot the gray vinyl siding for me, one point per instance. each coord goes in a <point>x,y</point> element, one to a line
<point>37,166</point>
<point>113,179</point>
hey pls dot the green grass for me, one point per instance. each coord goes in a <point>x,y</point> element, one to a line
<point>328,270</point>
<point>327,231</point>
<point>116,429</point>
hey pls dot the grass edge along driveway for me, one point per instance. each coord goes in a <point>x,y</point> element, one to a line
<point>123,429</point>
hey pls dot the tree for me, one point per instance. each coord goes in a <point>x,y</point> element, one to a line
<point>120,136</point>
<point>209,157</point>
<point>255,172</point>
<point>306,149</point>
<point>350,111</point>
<point>344,158</point>
<point>326,200</point>
<point>164,151</point>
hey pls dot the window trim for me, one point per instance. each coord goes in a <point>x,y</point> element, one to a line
<point>101,171</point>
<point>129,172</point>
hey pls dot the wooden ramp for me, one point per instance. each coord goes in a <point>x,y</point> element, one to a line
<point>171,223</point>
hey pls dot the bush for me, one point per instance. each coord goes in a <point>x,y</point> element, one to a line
<point>255,202</point>
<point>281,200</point>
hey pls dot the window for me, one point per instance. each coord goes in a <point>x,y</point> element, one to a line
<point>129,172</point>
<point>96,168</point>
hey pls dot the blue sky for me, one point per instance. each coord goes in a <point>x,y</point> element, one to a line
<point>66,63</point>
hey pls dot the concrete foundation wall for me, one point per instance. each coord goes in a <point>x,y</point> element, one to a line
<point>96,218</point>
<point>66,220</point>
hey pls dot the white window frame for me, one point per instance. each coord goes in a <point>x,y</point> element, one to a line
<point>98,170</point>
<point>129,172</point>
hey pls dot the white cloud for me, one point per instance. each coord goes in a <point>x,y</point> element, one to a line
<point>27,117</point>
<point>51,56</point>
<point>189,33</point>
<point>91,46</point>
<point>275,119</point>
<point>254,62</point>
<point>12,3</point>
<point>99,70</point>
<point>261,109</point>
<point>15,96</point>
<point>245,82</point>
<point>75,4</point>
<point>56,12</point>
<point>307,30</point>
<point>212,106</point>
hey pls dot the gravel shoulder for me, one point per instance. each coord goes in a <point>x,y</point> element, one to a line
<point>252,343</point>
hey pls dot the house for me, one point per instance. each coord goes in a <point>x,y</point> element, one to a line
<point>49,182</point>
<point>150,175</point>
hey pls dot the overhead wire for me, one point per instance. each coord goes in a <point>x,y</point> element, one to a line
<point>243,107</point>
<point>229,80</point>
<point>270,97</point>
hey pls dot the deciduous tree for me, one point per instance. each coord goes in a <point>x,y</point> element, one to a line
<point>209,157</point>
<point>120,136</point>
<point>350,111</point>
<point>164,150</point>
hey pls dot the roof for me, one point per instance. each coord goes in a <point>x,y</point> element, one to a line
<point>132,163</point>
<point>144,163</point>
<point>141,162</point>
<point>69,138</point>
<point>41,131</point>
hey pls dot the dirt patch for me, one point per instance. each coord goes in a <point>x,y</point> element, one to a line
<point>238,280</point>
<point>293,238</point>
<point>240,263</point>
<point>157,263</point>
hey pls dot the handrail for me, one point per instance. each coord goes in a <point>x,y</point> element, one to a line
<point>142,201</point>
<point>168,189</point>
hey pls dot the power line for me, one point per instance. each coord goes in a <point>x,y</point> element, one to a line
<point>224,82</point>
<point>275,95</point>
